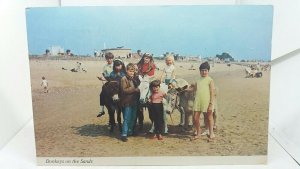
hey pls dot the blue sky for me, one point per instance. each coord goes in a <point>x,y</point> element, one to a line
<point>245,32</point>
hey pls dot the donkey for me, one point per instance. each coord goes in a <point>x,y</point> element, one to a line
<point>111,90</point>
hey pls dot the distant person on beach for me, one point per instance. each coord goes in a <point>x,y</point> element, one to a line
<point>156,110</point>
<point>78,67</point>
<point>107,69</point>
<point>44,84</point>
<point>129,97</point>
<point>204,100</point>
<point>146,66</point>
<point>168,71</point>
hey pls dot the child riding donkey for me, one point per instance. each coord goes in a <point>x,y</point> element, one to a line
<point>110,90</point>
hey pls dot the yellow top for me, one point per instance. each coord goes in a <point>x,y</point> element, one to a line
<point>202,96</point>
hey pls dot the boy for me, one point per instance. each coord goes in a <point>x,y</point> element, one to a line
<point>129,100</point>
<point>107,69</point>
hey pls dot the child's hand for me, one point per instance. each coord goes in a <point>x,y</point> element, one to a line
<point>209,109</point>
<point>100,78</point>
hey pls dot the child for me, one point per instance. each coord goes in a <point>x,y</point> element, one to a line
<point>139,114</point>
<point>204,100</point>
<point>156,110</point>
<point>129,96</point>
<point>118,70</point>
<point>215,115</point>
<point>44,84</point>
<point>146,66</point>
<point>107,69</point>
<point>169,70</point>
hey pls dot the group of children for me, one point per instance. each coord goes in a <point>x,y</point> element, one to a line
<point>129,93</point>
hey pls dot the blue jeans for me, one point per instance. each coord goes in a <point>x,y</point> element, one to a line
<point>129,115</point>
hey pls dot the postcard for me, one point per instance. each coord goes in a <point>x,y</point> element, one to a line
<point>150,85</point>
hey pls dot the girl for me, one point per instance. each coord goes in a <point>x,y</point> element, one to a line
<point>146,66</point>
<point>118,70</point>
<point>169,70</point>
<point>204,100</point>
<point>156,110</point>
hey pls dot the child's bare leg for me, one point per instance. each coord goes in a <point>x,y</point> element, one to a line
<point>206,123</point>
<point>215,119</point>
<point>211,124</point>
<point>196,120</point>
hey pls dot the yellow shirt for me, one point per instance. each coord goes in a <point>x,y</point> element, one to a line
<point>202,96</point>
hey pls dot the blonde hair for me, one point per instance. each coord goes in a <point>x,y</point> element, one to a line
<point>170,57</point>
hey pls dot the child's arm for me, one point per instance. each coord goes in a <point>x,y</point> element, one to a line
<point>212,96</point>
<point>127,90</point>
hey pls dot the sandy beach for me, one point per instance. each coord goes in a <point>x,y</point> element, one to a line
<point>66,124</point>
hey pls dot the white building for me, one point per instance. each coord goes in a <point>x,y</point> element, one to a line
<point>56,50</point>
<point>118,52</point>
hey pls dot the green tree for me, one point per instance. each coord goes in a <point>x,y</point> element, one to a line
<point>224,56</point>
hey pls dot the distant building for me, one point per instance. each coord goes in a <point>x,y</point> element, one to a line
<point>190,58</point>
<point>118,52</point>
<point>56,50</point>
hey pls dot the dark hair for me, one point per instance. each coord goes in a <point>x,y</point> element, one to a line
<point>141,62</point>
<point>204,65</point>
<point>154,83</point>
<point>109,55</point>
<point>118,62</point>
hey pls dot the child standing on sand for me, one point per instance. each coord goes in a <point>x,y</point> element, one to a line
<point>107,69</point>
<point>156,110</point>
<point>204,100</point>
<point>44,84</point>
<point>215,115</point>
<point>169,71</point>
<point>129,96</point>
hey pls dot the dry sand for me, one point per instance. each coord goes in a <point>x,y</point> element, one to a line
<point>66,124</point>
